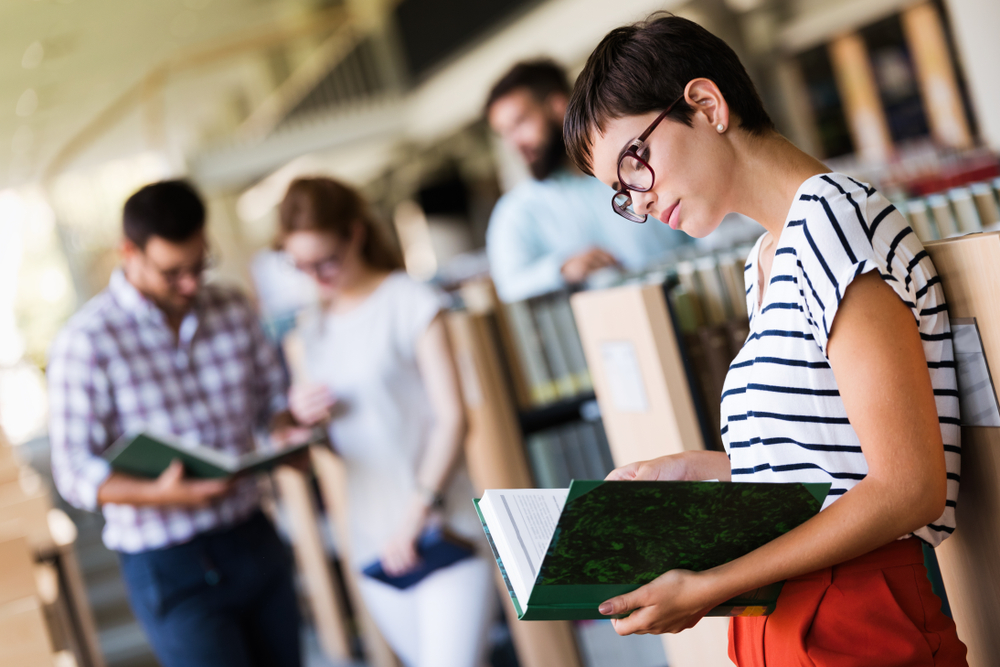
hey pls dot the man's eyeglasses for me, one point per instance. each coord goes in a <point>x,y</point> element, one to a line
<point>172,277</point>
<point>634,173</point>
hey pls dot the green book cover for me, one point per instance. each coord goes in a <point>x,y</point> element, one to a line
<point>609,538</point>
<point>147,455</point>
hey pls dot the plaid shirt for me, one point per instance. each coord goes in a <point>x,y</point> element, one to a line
<point>116,367</point>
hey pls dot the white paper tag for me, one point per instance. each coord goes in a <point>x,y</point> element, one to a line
<point>621,367</point>
<point>977,396</point>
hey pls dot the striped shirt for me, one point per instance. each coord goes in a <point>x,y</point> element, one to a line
<point>117,367</point>
<point>782,416</point>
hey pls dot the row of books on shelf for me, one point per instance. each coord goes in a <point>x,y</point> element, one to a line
<point>962,210</point>
<point>545,349</point>
<point>578,450</point>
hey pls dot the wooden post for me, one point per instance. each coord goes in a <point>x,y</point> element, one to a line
<point>647,409</point>
<point>331,476</point>
<point>936,75</point>
<point>307,543</point>
<point>969,267</point>
<point>862,104</point>
<point>64,536</point>
<point>495,456</point>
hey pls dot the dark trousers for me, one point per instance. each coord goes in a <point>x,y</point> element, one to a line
<point>224,599</point>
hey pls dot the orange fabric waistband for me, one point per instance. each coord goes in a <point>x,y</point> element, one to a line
<point>894,554</point>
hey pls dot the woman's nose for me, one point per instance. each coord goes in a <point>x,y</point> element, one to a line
<point>642,202</point>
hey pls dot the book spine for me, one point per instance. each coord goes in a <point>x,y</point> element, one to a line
<point>572,451</point>
<point>529,347</point>
<point>571,343</point>
<point>547,471</point>
<point>713,296</point>
<point>986,203</point>
<point>552,345</point>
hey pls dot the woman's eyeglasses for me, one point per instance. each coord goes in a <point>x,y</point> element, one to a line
<point>324,269</point>
<point>634,173</point>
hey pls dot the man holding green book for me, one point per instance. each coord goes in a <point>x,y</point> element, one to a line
<point>160,351</point>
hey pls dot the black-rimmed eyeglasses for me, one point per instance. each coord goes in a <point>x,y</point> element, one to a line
<point>634,173</point>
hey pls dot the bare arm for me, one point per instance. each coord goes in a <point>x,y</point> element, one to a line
<point>878,360</point>
<point>444,448</point>
<point>170,488</point>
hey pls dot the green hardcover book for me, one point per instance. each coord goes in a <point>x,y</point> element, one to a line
<point>562,552</point>
<point>147,455</point>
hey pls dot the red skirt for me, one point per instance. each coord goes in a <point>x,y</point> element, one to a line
<point>875,610</point>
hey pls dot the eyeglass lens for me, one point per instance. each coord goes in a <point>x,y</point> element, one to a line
<point>634,173</point>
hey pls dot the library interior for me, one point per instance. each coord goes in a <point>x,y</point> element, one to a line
<point>194,194</point>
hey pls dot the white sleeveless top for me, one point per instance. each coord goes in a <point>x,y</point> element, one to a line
<point>367,357</point>
<point>782,416</point>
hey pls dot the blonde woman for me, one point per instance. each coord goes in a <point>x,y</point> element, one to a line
<point>382,373</point>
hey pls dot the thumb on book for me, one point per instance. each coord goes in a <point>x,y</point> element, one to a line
<point>618,605</point>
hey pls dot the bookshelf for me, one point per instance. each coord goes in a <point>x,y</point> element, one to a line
<point>969,267</point>
<point>650,408</point>
<point>44,612</point>
<point>524,438</point>
<point>495,456</point>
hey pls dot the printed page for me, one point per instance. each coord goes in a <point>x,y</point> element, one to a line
<point>524,520</point>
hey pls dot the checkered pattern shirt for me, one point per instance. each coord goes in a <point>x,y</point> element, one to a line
<point>117,367</point>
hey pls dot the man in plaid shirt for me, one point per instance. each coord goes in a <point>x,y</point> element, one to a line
<point>159,351</point>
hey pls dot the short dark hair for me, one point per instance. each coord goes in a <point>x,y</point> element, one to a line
<point>540,77</point>
<point>640,68</point>
<point>172,210</point>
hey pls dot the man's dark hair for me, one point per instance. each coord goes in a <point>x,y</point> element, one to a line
<point>641,68</point>
<point>172,210</point>
<point>539,77</point>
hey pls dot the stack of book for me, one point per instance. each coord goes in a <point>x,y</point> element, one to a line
<point>577,450</point>
<point>543,345</point>
<point>963,210</point>
<point>707,298</point>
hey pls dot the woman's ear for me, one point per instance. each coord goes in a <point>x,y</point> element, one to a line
<point>708,103</point>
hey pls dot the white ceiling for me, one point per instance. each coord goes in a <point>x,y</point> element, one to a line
<point>76,57</point>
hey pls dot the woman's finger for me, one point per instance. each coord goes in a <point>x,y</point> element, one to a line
<point>621,604</point>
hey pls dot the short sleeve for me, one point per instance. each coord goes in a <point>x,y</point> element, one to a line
<point>416,305</point>
<point>844,229</point>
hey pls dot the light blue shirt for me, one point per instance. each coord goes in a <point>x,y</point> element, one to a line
<point>538,225</point>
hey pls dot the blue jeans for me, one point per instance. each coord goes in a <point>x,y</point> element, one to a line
<point>224,599</point>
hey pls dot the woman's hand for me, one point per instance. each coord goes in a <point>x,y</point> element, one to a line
<point>400,554</point>
<point>686,466</point>
<point>310,403</point>
<point>674,601</point>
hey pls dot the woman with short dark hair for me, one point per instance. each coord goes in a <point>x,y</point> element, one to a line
<point>847,376</point>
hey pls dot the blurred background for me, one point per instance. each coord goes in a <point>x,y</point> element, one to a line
<point>98,97</point>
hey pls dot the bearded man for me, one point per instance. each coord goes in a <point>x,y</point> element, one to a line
<point>557,228</point>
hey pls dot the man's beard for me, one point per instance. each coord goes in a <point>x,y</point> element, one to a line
<point>552,156</point>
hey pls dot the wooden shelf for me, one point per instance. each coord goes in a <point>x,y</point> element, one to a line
<point>969,268</point>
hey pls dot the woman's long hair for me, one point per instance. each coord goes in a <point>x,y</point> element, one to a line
<point>322,204</point>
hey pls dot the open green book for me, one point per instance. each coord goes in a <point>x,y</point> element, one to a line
<point>148,455</point>
<point>562,552</point>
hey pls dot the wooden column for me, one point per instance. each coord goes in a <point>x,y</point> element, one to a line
<point>331,476</point>
<point>927,43</point>
<point>862,104</point>
<point>647,409</point>
<point>322,590</point>
<point>969,267</point>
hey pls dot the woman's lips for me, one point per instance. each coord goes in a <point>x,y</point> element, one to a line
<point>673,215</point>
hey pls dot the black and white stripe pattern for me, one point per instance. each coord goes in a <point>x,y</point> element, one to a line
<point>782,416</point>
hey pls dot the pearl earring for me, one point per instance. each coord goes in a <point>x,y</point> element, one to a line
<point>720,127</point>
